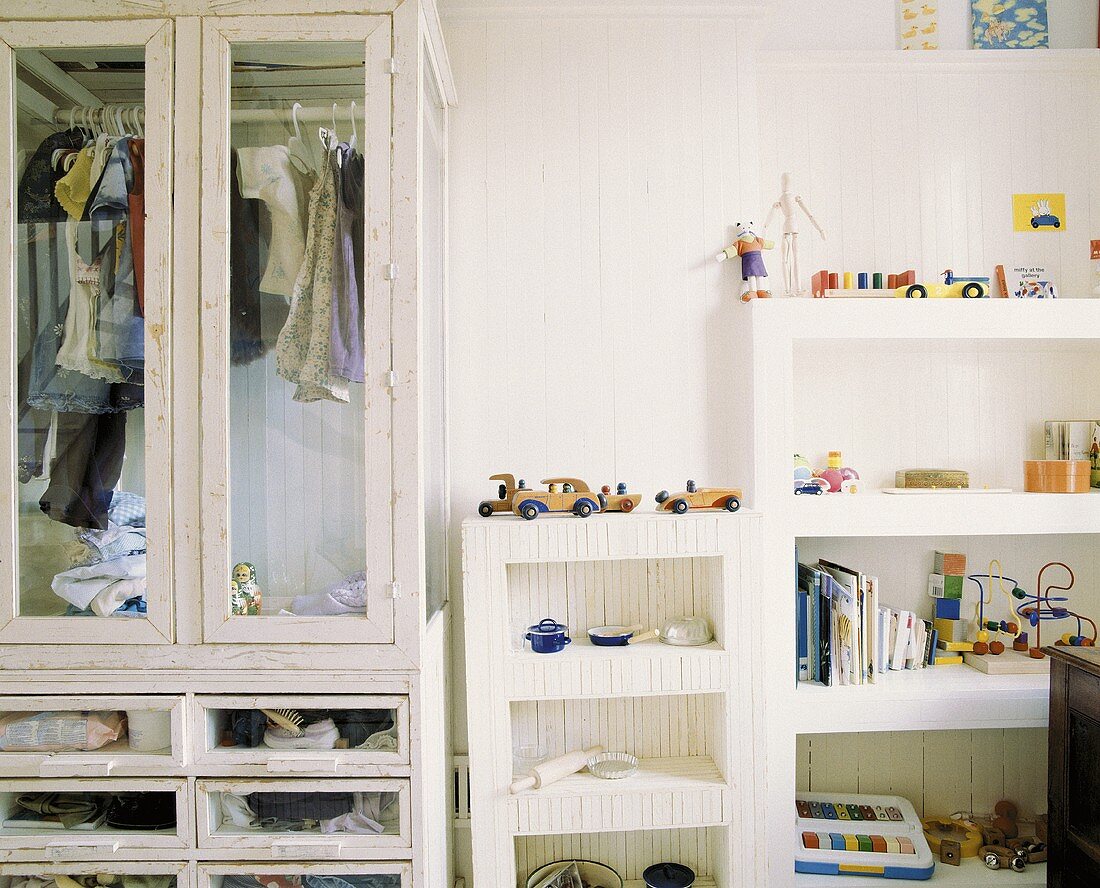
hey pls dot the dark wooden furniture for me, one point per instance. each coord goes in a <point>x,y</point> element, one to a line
<point>1073,794</point>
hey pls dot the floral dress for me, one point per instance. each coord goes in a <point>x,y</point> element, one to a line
<point>304,346</point>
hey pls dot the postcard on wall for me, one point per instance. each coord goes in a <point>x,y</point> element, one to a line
<point>1038,212</point>
<point>918,24</point>
<point>1009,24</point>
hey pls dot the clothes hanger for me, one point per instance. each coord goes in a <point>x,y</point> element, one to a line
<point>302,154</point>
<point>354,133</point>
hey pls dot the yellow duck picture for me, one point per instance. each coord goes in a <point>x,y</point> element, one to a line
<point>931,29</point>
<point>928,10</point>
<point>910,34</point>
<point>908,14</point>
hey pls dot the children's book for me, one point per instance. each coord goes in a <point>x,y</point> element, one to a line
<point>1026,282</point>
<point>1009,24</point>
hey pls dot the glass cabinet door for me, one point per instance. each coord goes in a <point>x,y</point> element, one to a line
<point>85,160</point>
<point>296,318</point>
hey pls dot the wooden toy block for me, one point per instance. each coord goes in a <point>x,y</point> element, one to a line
<point>956,647</point>
<point>950,852</point>
<point>951,630</point>
<point>949,608</point>
<point>948,660</point>
<point>940,586</point>
<point>950,564</point>
<point>819,283</point>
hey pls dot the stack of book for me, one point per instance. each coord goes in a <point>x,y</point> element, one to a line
<point>846,637</point>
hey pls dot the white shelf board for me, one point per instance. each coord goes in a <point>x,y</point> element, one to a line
<point>584,670</point>
<point>873,514</point>
<point>972,873</point>
<point>935,698</point>
<point>665,793</point>
<point>972,319</point>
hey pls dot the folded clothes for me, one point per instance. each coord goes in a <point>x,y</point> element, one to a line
<point>134,607</point>
<point>59,731</point>
<point>80,585</point>
<point>319,735</point>
<point>117,596</point>
<point>348,596</point>
<point>94,546</point>
<point>70,808</point>
<point>127,509</point>
<point>382,740</point>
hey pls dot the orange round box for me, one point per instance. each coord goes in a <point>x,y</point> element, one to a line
<point>1056,475</point>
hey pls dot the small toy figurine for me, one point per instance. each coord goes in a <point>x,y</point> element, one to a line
<point>505,494</point>
<point>575,497</point>
<point>245,596</point>
<point>728,498</point>
<point>620,500</point>
<point>753,273</point>
<point>786,205</point>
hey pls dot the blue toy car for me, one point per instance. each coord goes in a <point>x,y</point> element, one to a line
<point>1048,219</point>
<point>813,486</point>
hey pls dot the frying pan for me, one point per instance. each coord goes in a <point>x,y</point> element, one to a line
<point>612,636</point>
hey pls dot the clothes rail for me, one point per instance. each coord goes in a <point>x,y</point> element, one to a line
<point>239,115</point>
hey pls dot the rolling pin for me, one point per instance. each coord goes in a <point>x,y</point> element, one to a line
<point>548,772</point>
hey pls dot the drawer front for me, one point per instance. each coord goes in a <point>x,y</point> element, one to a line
<point>304,819</point>
<point>342,735</point>
<point>134,736</point>
<point>361,874</point>
<point>118,822</point>
<point>174,874</point>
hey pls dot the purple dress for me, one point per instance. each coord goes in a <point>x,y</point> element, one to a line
<point>346,357</point>
<point>752,265</point>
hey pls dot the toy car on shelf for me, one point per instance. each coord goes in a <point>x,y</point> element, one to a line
<point>953,287</point>
<point>562,495</point>
<point>505,495</point>
<point>812,486</point>
<point>728,498</point>
<point>620,500</point>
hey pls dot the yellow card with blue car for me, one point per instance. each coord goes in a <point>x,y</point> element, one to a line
<point>1039,212</point>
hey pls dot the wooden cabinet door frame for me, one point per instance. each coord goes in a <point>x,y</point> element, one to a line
<point>219,625</point>
<point>156,36</point>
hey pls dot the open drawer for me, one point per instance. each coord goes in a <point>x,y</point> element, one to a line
<point>49,736</point>
<point>124,874</point>
<point>342,735</point>
<point>383,874</point>
<point>104,819</point>
<point>303,819</point>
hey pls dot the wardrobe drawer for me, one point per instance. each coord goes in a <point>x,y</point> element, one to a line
<point>372,732</point>
<point>129,874</point>
<point>273,819</point>
<point>381,874</point>
<point>134,802</point>
<point>151,743</point>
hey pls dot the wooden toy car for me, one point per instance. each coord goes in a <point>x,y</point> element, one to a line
<point>505,495</point>
<point>573,496</point>
<point>620,500</point>
<point>953,287</point>
<point>728,498</point>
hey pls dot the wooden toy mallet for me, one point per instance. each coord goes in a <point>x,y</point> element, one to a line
<point>555,769</point>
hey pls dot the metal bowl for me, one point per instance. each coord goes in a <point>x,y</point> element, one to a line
<point>687,631</point>
<point>598,875</point>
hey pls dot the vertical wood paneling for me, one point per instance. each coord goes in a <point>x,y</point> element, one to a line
<point>940,772</point>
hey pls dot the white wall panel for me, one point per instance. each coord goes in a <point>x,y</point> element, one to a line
<point>907,165</point>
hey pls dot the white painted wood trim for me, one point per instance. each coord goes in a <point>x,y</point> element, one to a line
<point>105,762</point>
<point>9,452</point>
<point>157,627</point>
<point>90,10</point>
<point>204,871</point>
<point>263,760</point>
<point>377,626</point>
<point>625,10</point>
<point>283,845</point>
<point>98,845</point>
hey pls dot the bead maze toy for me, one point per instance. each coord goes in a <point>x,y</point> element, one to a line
<point>827,284</point>
<point>1026,612</point>
<point>865,835</point>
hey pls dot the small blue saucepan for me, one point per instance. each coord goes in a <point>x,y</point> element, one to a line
<point>548,636</point>
<point>611,636</point>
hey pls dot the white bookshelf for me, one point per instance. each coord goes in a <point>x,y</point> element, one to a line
<point>794,352</point>
<point>684,712</point>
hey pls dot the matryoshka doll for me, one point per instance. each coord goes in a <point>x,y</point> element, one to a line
<point>245,594</point>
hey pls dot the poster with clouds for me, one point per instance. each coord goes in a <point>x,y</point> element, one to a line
<point>1010,24</point>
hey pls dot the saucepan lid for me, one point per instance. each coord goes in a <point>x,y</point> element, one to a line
<point>668,875</point>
